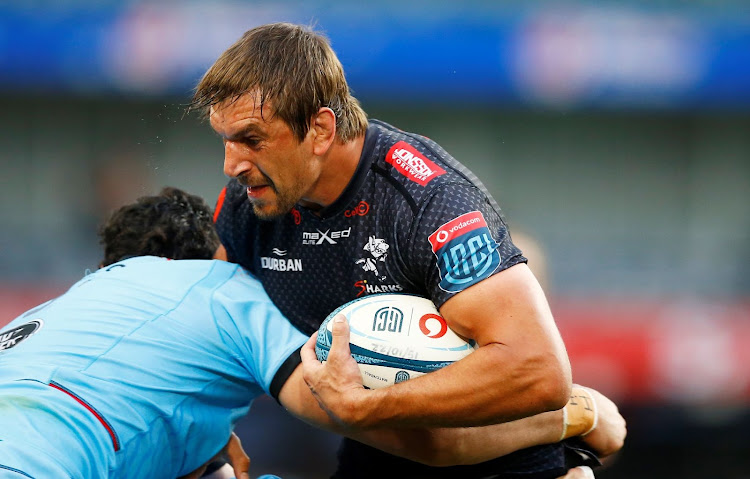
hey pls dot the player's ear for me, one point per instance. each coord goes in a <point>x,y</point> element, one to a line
<point>323,129</point>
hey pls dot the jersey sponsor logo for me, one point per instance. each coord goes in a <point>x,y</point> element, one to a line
<point>327,236</point>
<point>361,209</point>
<point>297,216</point>
<point>465,250</point>
<point>13,337</point>
<point>434,320</point>
<point>367,288</point>
<point>378,252</point>
<point>412,164</point>
<point>280,264</point>
<point>388,318</point>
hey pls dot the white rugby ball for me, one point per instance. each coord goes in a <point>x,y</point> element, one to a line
<point>395,337</point>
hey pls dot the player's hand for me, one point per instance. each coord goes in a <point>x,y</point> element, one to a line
<point>238,458</point>
<point>609,434</point>
<point>337,383</point>
<point>580,472</point>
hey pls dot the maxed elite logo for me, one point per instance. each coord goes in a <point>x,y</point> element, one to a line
<point>325,237</point>
<point>465,250</point>
<point>412,164</point>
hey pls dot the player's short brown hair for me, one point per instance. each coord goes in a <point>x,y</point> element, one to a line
<point>172,224</point>
<point>293,67</point>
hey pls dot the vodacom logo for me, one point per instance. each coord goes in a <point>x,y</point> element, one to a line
<point>428,331</point>
<point>297,216</point>
<point>360,210</point>
<point>442,236</point>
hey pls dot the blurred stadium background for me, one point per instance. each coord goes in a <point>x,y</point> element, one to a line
<point>615,135</point>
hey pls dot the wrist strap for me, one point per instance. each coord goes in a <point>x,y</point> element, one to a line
<point>580,414</point>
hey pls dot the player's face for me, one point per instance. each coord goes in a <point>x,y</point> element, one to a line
<point>265,156</point>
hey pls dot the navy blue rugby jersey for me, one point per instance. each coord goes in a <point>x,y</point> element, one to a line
<point>412,219</point>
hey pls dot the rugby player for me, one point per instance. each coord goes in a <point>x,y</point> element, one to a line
<point>141,369</point>
<point>324,206</point>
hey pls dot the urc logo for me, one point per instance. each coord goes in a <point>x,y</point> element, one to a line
<point>388,318</point>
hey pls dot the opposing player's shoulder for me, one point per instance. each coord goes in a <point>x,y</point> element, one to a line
<point>395,337</point>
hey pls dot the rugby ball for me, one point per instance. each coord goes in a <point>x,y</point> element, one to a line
<point>395,337</point>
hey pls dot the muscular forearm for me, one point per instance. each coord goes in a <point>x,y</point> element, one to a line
<point>457,446</point>
<point>460,446</point>
<point>453,446</point>
<point>487,387</point>
<point>437,446</point>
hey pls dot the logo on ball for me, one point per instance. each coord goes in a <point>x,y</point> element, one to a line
<point>388,318</point>
<point>427,331</point>
<point>401,376</point>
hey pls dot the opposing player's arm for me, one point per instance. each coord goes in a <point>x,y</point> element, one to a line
<point>520,369</point>
<point>453,446</point>
<point>221,253</point>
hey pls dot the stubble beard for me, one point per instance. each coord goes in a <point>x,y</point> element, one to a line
<point>283,204</point>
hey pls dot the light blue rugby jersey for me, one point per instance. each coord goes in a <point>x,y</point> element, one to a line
<point>166,355</point>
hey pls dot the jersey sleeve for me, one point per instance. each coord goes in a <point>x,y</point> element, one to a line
<point>460,238</point>
<point>257,334</point>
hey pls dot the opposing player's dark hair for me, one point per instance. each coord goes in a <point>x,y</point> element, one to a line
<point>172,224</point>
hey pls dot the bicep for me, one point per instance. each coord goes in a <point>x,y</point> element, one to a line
<point>507,308</point>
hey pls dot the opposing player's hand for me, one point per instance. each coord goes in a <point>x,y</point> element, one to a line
<point>238,458</point>
<point>609,434</point>
<point>337,383</point>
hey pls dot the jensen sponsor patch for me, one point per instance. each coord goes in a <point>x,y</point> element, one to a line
<point>465,250</point>
<point>12,337</point>
<point>412,164</point>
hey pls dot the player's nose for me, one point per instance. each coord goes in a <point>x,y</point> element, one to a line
<point>237,160</point>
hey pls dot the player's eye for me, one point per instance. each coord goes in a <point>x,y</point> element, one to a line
<point>252,141</point>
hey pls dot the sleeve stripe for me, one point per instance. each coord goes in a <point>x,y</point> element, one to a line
<point>285,370</point>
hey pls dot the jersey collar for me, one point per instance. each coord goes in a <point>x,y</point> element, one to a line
<point>363,167</point>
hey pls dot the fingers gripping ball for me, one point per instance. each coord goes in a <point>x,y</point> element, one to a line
<point>395,337</point>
